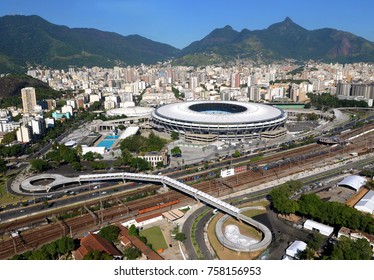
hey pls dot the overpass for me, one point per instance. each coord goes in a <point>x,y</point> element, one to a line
<point>165,181</point>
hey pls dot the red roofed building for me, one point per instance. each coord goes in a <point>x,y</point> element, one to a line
<point>95,242</point>
<point>136,242</point>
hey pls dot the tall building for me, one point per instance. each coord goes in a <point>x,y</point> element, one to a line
<point>343,89</point>
<point>253,93</point>
<point>24,134</point>
<point>28,99</point>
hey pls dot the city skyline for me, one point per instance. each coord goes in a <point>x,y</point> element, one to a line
<point>179,24</point>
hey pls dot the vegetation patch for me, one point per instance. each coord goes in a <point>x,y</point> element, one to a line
<point>154,237</point>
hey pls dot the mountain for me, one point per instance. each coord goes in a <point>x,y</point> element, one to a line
<point>30,40</point>
<point>281,40</point>
<point>11,85</point>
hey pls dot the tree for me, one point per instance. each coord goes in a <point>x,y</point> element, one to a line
<point>131,253</point>
<point>176,151</point>
<point>110,233</point>
<point>139,164</point>
<point>77,166</point>
<point>79,150</point>
<point>133,231</point>
<point>65,245</point>
<point>97,255</point>
<point>315,241</point>
<point>174,135</point>
<point>307,254</point>
<point>236,154</point>
<point>180,236</point>
<point>347,249</point>
<point>3,167</point>
<point>9,137</point>
<point>39,165</point>
<point>99,165</point>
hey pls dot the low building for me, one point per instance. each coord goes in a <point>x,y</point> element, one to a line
<point>318,227</point>
<point>93,242</point>
<point>99,150</point>
<point>295,248</point>
<point>136,242</point>
<point>366,204</point>
<point>156,157</point>
<point>355,234</point>
<point>354,182</point>
<point>227,172</point>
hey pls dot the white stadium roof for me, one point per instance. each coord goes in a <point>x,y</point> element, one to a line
<point>130,111</point>
<point>250,112</point>
<point>131,130</point>
<point>366,204</point>
<point>355,182</point>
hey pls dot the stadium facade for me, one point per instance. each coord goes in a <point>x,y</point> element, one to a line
<point>227,120</point>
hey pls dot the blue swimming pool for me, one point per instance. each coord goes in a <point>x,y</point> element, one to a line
<point>108,141</point>
<point>112,137</point>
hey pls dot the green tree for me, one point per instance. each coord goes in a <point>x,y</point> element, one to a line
<point>176,151</point>
<point>97,255</point>
<point>174,135</point>
<point>65,245</point>
<point>133,231</point>
<point>9,137</point>
<point>39,165</point>
<point>99,165</point>
<point>77,166</point>
<point>315,241</point>
<point>110,233</point>
<point>180,236</point>
<point>3,167</point>
<point>307,254</point>
<point>347,249</point>
<point>236,154</point>
<point>139,164</point>
<point>131,253</point>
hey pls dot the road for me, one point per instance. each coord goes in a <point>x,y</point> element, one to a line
<point>282,231</point>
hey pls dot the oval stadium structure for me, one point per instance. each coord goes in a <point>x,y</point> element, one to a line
<point>227,120</point>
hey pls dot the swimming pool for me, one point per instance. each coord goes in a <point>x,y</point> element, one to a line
<point>108,141</point>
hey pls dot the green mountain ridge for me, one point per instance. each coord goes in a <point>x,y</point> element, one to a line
<point>31,40</point>
<point>284,40</point>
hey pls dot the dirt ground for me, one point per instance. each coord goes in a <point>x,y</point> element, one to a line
<point>356,197</point>
<point>338,194</point>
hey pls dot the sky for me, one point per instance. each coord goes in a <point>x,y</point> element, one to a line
<point>179,23</point>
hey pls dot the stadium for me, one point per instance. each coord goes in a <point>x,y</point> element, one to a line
<point>209,121</point>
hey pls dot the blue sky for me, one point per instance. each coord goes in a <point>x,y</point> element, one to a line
<point>179,23</point>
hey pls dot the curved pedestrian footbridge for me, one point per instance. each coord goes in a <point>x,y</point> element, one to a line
<point>46,182</point>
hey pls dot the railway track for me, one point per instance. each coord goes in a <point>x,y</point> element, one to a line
<point>36,237</point>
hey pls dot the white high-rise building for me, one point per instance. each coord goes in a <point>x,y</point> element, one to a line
<point>28,99</point>
<point>24,134</point>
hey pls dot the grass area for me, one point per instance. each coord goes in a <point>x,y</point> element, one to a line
<point>5,197</point>
<point>155,237</point>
